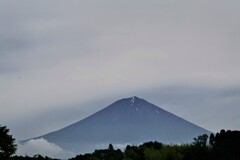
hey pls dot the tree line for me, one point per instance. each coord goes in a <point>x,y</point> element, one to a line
<point>224,145</point>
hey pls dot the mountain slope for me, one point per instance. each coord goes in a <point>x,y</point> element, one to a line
<point>130,120</point>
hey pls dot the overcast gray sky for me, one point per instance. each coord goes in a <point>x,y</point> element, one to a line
<point>61,61</point>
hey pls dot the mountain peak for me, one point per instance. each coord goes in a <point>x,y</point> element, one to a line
<point>129,120</point>
<point>130,100</point>
<point>133,99</point>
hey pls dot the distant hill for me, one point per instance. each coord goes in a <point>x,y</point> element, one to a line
<point>126,121</point>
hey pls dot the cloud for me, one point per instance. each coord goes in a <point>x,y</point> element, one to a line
<point>42,147</point>
<point>57,54</point>
<point>212,108</point>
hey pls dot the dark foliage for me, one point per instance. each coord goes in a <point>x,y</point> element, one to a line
<point>134,153</point>
<point>103,154</point>
<point>222,146</point>
<point>199,149</point>
<point>36,157</point>
<point>226,145</point>
<point>7,143</point>
<point>154,145</point>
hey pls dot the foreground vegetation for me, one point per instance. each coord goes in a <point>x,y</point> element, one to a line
<point>224,145</point>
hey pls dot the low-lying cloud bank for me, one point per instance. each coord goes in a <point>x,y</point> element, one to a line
<point>43,147</point>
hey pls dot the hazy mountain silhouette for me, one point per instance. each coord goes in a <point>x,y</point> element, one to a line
<point>131,120</point>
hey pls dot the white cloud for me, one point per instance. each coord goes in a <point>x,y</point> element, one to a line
<point>42,147</point>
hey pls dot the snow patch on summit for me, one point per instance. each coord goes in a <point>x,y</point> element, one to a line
<point>132,100</point>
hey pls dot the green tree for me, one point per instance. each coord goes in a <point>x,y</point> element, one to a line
<point>110,147</point>
<point>134,153</point>
<point>201,141</point>
<point>212,139</point>
<point>152,150</point>
<point>227,145</point>
<point>7,143</point>
<point>198,150</point>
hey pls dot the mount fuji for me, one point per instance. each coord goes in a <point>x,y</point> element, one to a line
<point>126,121</point>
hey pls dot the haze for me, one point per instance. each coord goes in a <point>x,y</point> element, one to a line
<point>61,61</point>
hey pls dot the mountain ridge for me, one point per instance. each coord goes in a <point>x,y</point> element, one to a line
<point>128,120</point>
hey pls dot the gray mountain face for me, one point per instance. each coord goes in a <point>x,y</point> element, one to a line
<point>127,121</point>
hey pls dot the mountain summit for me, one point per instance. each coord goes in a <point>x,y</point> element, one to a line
<point>126,121</point>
